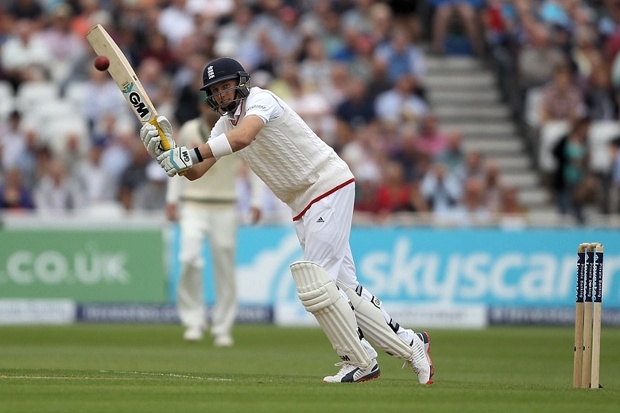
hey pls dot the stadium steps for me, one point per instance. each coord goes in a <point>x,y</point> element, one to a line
<point>464,94</point>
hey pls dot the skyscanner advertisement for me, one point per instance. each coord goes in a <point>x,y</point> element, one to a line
<point>441,277</point>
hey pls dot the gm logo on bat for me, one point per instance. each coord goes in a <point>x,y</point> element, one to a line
<point>135,100</point>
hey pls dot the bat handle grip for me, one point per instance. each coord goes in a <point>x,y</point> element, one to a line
<point>165,143</point>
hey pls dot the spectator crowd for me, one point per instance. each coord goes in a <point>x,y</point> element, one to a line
<point>353,69</point>
<point>559,67</point>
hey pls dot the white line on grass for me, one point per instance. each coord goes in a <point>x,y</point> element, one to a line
<point>59,378</point>
<point>181,376</point>
<point>140,373</point>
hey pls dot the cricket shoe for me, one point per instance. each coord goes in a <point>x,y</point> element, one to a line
<point>421,362</point>
<point>351,374</point>
<point>426,338</point>
<point>193,334</point>
<point>223,340</point>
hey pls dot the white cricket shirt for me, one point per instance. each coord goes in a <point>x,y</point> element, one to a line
<point>297,165</point>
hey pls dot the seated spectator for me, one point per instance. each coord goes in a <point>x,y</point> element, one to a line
<point>310,105</point>
<point>600,97</point>
<point>363,153</point>
<point>151,194</point>
<point>286,79</point>
<point>315,67</point>
<point>537,58</point>
<point>400,105</point>
<point>408,13</point>
<point>393,193</point>
<point>571,184</point>
<point>213,10</point>
<point>362,61</point>
<point>500,25</point>
<point>89,13</point>
<point>453,156</point>
<point>101,98</point>
<point>441,189</point>
<point>67,48</point>
<point>176,22</point>
<point>614,177</point>
<point>417,203</point>
<point>70,147</point>
<point>279,22</point>
<point>382,21</point>
<point>402,57</point>
<point>366,197</point>
<point>118,151</point>
<point>471,210</point>
<point>12,142</point>
<point>561,99</point>
<point>338,80</point>
<point>157,84</point>
<point>431,140</point>
<point>511,214</point>
<point>345,53</point>
<point>324,21</point>
<point>467,13</point>
<point>473,166</point>
<point>406,152</point>
<point>585,53</point>
<point>380,80</point>
<point>29,160</point>
<point>493,186</point>
<point>311,21</point>
<point>237,37</point>
<point>133,175</point>
<point>24,55</point>
<point>356,109</point>
<point>19,149</point>
<point>96,182</point>
<point>14,195</point>
<point>359,16</point>
<point>157,48</point>
<point>56,191</point>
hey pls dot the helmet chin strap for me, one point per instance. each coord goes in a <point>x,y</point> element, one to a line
<point>232,105</point>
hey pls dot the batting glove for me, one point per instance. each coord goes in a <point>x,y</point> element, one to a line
<point>178,160</point>
<point>152,140</point>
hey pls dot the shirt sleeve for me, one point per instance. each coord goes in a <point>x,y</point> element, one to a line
<point>264,105</point>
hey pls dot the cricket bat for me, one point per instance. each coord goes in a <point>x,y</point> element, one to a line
<point>126,79</point>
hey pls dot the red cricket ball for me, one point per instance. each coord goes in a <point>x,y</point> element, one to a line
<point>102,63</point>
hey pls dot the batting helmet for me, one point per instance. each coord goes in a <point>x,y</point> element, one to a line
<point>219,70</point>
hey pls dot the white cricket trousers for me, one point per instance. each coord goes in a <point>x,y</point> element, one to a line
<point>218,224</point>
<point>324,233</point>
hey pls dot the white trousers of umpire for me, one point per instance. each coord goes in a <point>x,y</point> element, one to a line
<point>216,223</point>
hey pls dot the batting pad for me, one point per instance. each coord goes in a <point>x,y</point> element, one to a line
<point>374,326</point>
<point>319,295</point>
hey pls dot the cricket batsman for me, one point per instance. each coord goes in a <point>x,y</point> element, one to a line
<point>307,175</point>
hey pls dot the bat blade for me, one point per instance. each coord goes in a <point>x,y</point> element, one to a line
<point>125,78</point>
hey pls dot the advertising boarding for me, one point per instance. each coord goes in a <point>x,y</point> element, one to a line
<point>438,277</point>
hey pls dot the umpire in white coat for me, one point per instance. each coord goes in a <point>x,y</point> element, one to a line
<point>206,210</point>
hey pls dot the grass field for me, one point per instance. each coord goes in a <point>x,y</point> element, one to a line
<point>148,368</point>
